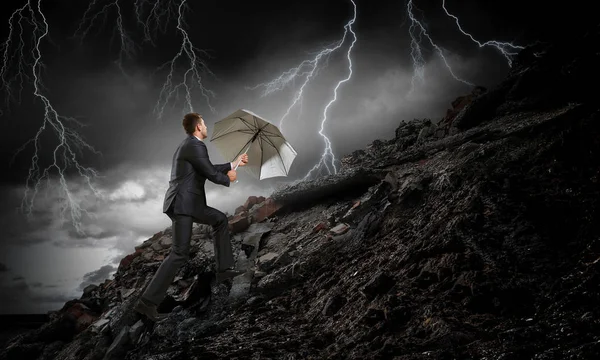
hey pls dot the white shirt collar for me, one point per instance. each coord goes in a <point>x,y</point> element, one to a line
<point>197,138</point>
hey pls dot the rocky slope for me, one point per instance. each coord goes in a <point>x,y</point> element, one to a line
<point>474,237</point>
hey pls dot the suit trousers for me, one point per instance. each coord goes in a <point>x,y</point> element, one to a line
<point>182,234</point>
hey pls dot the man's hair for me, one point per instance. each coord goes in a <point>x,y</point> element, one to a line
<point>190,121</point>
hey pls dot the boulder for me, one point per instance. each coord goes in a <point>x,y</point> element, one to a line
<point>239,223</point>
<point>269,208</point>
<point>239,209</point>
<point>252,200</point>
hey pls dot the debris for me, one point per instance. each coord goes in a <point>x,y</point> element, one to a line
<point>239,223</point>
<point>320,226</point>
<point>340,229</point>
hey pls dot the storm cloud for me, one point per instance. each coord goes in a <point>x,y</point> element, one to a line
<point>97,276</point>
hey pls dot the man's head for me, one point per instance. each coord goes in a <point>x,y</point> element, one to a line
<point>194,125</point>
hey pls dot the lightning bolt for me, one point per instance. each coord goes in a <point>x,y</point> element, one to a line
<point>191,77</point>
<point>153,17</point>
<point>127,48</point>
<point>160,14</point>
<point>506,49</point>
<point>70,143</point>
<point>307,70</point>
<point>417,31</point>
<point>8,79</point>
<point>328,152</point>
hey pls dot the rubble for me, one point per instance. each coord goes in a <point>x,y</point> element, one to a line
<point>255,210</point>
<point>340,229</point>
<point>476,237</point>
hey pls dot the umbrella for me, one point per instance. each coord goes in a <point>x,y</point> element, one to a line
<point>269,154</point>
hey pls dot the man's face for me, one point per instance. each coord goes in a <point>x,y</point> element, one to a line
<point>202,128</point>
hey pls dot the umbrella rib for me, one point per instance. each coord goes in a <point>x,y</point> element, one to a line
<point>272,133</point>
<point>278,153</point>
<point>262,153</point>
<point>242,130</point>
<point>242,149</point>
<point>250,131</point>
<point>256,126</point>
<point>260,128</point>
<point>247,124</point>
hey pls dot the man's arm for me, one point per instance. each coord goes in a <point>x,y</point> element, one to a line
<point>223,168</point>
<point>201,163</point>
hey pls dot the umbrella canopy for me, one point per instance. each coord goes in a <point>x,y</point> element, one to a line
<point>269,154</point>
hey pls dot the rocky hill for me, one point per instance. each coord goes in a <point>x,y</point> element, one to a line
<point>473,237</point>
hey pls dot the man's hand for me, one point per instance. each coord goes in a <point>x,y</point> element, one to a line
<point>242,160</point>
<point>232,175</point>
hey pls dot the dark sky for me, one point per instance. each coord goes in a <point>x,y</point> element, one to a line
<point>44,260</point>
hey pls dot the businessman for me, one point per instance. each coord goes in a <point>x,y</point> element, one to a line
<point>185,203</point>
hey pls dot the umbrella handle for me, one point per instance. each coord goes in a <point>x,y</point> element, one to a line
<point>235,168</point>
<point>238,163</point>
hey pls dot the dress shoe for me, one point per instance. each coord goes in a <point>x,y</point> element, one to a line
<point>145,308</point>
<point>228,274</point>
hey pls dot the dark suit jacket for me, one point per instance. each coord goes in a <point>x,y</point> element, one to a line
<point>191,167</point>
